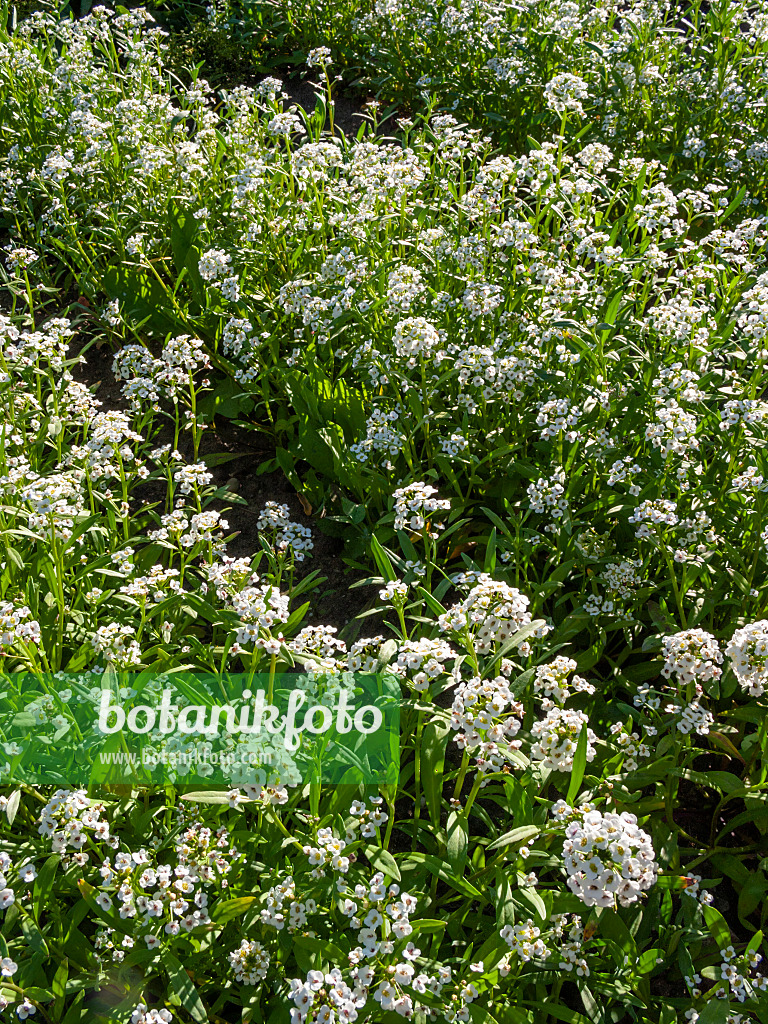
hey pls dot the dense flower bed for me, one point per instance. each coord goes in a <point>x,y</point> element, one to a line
<point>518,370</point>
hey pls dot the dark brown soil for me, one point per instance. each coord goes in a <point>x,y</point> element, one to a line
<point>348,109</point>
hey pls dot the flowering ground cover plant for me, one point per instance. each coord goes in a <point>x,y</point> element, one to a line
<point>511,358</point>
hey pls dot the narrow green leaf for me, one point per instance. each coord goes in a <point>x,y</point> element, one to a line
<point>183,986</point>
<point>230,909</point>
<point>516,835</point>
<point>458,841</point>
<point>383,860</point>
<point>579,766</point>
<point>44,883</point>
<point>718,929</point>
<point>434,740</point>
<point>12,806</point>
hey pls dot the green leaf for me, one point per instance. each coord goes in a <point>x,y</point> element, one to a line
<point>59,987</point>
<point>182,985</point>
<point>429,925</point>
<point>230,909</point>
<point>44,883</point>
<point>579,766</point>
<point>434,740</point>
<point>718,929</point>
<point>532,900</point>
<point>752,894</point>
<point>612,927</point>
<point>717,1011</point>
<point>142,298</point>
<point>206,796</point>
<point>647,961</point>
<point>383,860</point>
<point>12,806</point>
<point>735,203</point>
<point>516,835</point>
<point>75,1012</point>
<point>383,562</point>
<point>559,1012</point>
<point>458,841</point>
<point>113,920</point>
<point>438,867</point>
<point>330,952</point>
<point>724,782</point>
<point>33,935</point>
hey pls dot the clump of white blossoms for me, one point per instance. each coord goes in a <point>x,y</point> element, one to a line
<point>285,125</point>
<point>259,609</point>
<point>214,264</point>
<point>326,997</point>
<point>141,1015</point>
<point>7,895</point>
<point>658,512</point>
<point>287,535</point>
<point>201,528</point>
<point>250,962</point>
<point>414,505</point>
<point>192,476</point>
<point>548,495</point>
<point>118,644</point>
<point>454,444</point>
<point>395,592</point>
<point>415,336</point>
<point>486,719</point>
<point>421,661</point>
<point>565,92</point>
<point>748,651</point>
<point>491,613</point>
<point>405,286</point>
<point>557,415</point>
<point>17,626</point>
<point>739,412</point>
<point>66,818</point>
<point>364,654</point>
<point>381,436</point>
<point>524,940</point>
<point>327,653</point>
<point>606,856</point>
<point>552,680</point>
<point>693,655</point>
<point>319,57</point>
<point>366,820</point>
<point>692,716</point>
<point>557,738</point>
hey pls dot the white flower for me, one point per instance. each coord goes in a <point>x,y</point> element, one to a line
<point>557,737</point>
<point>565,92</point>
<point>415,336</point>
<point>319,57</point>
<point>7,967</point>
<point>606,856</point>
<point>250,962</point>
<point>414,505</point>
<point>748,651</point>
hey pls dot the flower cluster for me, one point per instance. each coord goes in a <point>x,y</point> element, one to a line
<point>557,737</point>
<point>606,856</point>
<point>748,651</point>
<point>486,719</point>
<point>249,962</point>
<point>286,535</point>
<point>490,614</point>
<point>415,506</point>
